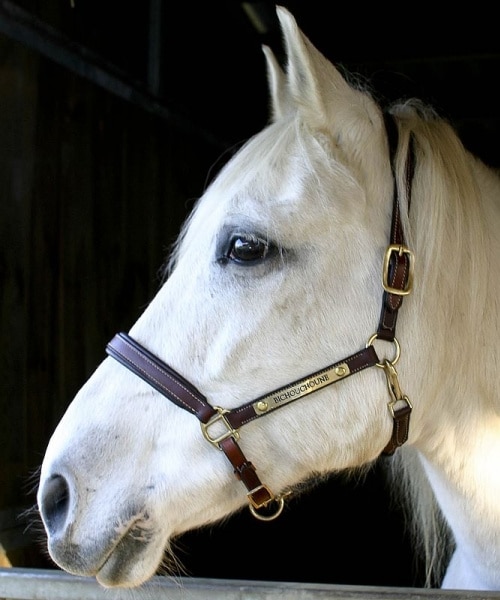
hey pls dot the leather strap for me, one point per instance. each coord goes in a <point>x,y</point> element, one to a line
<point>160,376</point>
<point>400,429</point>
<point>355,363</point>
<point>172,385</point>
<point>398,266</point>
<point>398,276</point>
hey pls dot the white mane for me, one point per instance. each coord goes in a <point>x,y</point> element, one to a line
<point>452,223</point>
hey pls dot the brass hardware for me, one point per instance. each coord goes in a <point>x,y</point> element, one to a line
<point>254,506</point>
<point>391,405</point>
<point>397,349</point>
<point>385,269</point>
<point>300,388</point>
<point>394,389</point>
<point>219,417</point>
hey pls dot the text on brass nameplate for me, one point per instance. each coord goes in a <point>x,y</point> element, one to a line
<point>300,388</point>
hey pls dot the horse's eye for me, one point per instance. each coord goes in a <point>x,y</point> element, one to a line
<point>248,249</point>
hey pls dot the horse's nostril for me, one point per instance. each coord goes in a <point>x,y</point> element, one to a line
<point>54,503</point>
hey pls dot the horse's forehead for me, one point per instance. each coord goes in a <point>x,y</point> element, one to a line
<point>276,171</point>
<point>285,182</point>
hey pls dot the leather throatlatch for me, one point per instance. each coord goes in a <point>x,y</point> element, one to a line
<point>397,281</point>
<point>221,426</point>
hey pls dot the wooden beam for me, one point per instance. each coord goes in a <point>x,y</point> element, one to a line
<point>24,27</point>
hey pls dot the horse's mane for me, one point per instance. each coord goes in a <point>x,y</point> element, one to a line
<point>448,224</point>
<point>448,212</point>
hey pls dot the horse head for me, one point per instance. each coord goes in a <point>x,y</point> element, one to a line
<point>276,275</point>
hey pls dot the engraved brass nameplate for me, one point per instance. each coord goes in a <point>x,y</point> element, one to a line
<point>301,388</point>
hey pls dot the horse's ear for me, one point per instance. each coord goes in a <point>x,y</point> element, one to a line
<point>278,91</point>
<point>318,89</point>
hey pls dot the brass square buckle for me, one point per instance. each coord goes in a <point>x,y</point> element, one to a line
<point>400,250</point>
<point>219,418</point>
<point>254,492</point>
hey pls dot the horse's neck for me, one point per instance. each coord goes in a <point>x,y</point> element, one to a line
<point>465,477</point>
<point>451,334</point>
<point>458,435</point>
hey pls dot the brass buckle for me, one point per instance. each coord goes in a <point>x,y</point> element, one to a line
<point>385,269</point>
<point>252,501</point>
<point>219,417</point>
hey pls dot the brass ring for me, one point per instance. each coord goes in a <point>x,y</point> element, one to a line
<point>280,502</point>
<point>396,346</point>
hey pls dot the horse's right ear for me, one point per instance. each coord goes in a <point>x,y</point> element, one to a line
<point>312,86</point>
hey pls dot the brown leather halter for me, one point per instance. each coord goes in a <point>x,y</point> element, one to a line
<point>221,426</point>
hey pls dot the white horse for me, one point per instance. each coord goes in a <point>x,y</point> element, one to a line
<point>289,277</point>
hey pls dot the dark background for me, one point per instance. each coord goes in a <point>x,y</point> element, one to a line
<point>202,60</point>
<point>212,68</point>
<point>113,117</point>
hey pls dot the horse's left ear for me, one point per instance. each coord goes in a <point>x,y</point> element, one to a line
<point>276,81</point>
<point>317,88</point>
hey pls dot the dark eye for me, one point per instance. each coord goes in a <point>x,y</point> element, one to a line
<point>247,249</point>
